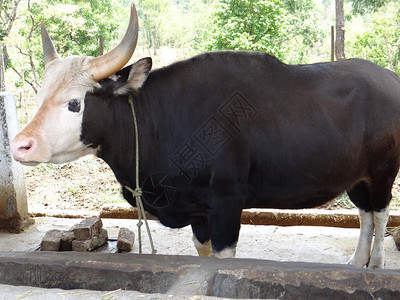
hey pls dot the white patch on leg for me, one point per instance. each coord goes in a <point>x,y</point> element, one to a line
<point>202,249</point>
<point>377,260</point>
<point>228,252</point>
<point>360,257</point>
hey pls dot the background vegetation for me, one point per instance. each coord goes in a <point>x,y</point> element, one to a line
<point>296,31</point>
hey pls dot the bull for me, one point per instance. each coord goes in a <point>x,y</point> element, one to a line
<point>225,131</point>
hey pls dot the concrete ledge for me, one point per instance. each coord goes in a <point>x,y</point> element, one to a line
<point>186,275</point>
<point>302,217</point>
<point>310,217</point>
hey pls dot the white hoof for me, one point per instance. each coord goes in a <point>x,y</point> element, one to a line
<point>358,262</point>
<point>376,264</point>
<point>226,253</point>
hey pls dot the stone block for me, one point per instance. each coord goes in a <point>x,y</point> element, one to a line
<point>66,241</point>
<point>51,240</point>
<point>396,237</point>
<point>126,238</point>
<point>101,239</point>
<point>87,228</point>
<point>90,244</point>
<point>82,246</point>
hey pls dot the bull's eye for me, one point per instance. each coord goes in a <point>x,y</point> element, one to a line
<point>74,105</point>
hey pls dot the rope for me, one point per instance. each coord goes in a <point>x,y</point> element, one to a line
<point>137,193</point>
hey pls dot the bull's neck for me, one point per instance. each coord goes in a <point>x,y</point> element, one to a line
<point>119,142</point>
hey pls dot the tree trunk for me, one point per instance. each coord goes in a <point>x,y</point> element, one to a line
<point>2,74</point>
<point>155,42</point>
<point>339,44</point>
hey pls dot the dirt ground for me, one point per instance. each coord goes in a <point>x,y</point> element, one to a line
<point>86,184</point>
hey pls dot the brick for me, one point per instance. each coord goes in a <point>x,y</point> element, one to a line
<point>126,238</point>
<point>90,244</point>
<point>66,241</point>
<point>82,246</point>
<point>87,228</point>
<point>396,236</point>
<point>101,239</point>
<point>51,240</point>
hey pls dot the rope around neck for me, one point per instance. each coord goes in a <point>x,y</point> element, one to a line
<point>137,193</point>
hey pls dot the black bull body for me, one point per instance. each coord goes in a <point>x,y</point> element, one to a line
<point>226,131</point>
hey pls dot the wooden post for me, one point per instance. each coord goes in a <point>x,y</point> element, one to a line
<point>101,44</point>
<point>332,43</point>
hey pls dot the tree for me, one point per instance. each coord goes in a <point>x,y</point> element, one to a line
<point>249,25</point>
<point>272,26</point>
<point>379,42</point>
<point>367,6</point>
<point>303,30</point>
<point>358,7</point>
<point>8,14</point>
<point>74,26</point>
<point>152,12</point>
<point>339,42</point>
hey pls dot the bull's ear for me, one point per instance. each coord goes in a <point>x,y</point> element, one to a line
<point>138,73</point>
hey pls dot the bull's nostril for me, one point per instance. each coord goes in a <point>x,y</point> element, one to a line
<point>26,147</point>
<point>21,147</point>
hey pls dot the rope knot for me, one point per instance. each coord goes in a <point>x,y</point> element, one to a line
<point>137,192</point>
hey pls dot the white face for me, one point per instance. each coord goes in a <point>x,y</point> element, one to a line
<point>53,135</point>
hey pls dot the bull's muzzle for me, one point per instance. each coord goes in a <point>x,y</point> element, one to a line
<point>25,150</point>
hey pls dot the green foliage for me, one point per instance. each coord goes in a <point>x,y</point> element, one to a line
<point>249,25</point>
<point>168,24</point>
<point>201,27</point>
<point>74,26</point>
<point>367,6</point>
<point>151,12</point>
<point>272,26</point>
<point>304,30</point>
<point>290,29</point>
<point>371,44</point>
<point>343,201</point>
<point>6,8</point>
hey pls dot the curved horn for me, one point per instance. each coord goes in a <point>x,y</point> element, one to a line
<point>49,51</point>
<point>113,61</point>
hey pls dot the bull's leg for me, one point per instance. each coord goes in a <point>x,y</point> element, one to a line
<point>377,259</point>
<point>381,194</point>
<point>360,194</point>
<point>202,237</point>
<point>372,198</point>
<point>360,257</point>
<point>224,226</point>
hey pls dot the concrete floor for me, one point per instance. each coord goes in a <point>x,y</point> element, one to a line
<point>295,243</point>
